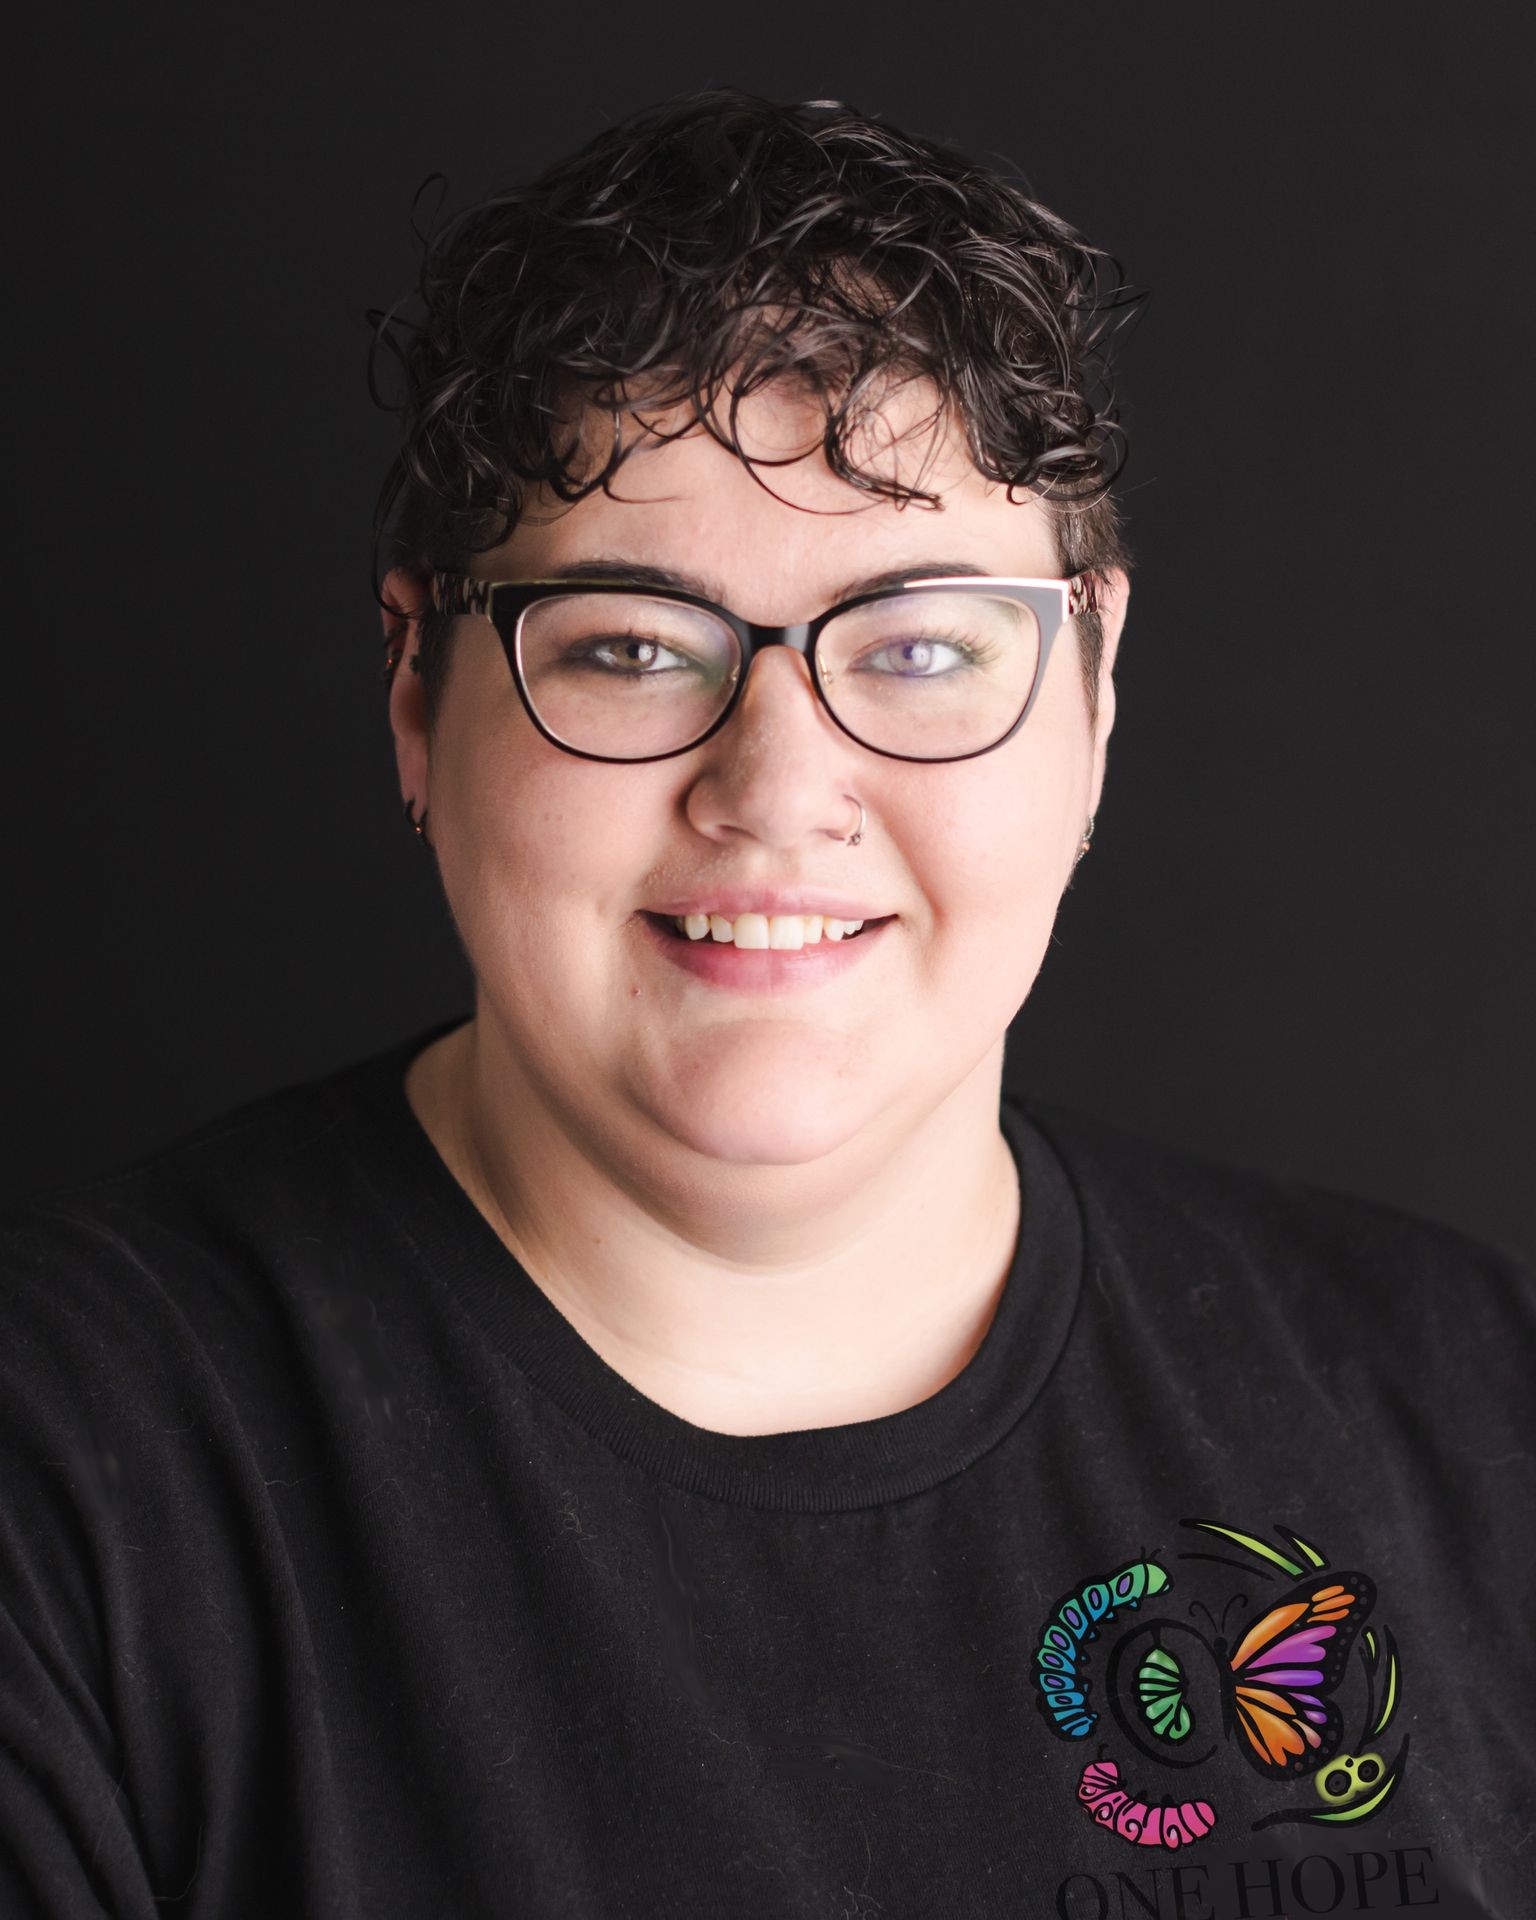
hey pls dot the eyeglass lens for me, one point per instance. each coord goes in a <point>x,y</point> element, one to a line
<point>928,673</point>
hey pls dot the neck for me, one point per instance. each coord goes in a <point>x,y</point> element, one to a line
<point>759,1299</point>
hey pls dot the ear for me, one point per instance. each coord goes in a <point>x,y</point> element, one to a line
<point>404,597</point>
<point>1114,598</point>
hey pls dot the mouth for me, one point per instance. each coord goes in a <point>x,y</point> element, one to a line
<point>755,932</point>
<point>756,966</point>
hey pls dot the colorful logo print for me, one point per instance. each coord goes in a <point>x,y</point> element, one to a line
<point>1304,1687</point>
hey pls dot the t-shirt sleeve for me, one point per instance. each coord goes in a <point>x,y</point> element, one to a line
<point>69,1845</point>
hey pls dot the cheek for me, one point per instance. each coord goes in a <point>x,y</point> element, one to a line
<point>992,844</point>
<point>535,847</point>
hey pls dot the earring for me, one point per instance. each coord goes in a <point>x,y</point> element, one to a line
<point>394,646</point>
<point>393,649</point>
<point>1087,839</point>
<point>419,825</point>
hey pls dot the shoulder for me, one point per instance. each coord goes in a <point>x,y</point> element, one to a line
<point>1187,1232</point>
<point>189,1190</point>
<point>200,1243</point>
<point>119,1290</point>
<point>262,1161</point>
<point>156,1382</point>
<point>180,1330</point>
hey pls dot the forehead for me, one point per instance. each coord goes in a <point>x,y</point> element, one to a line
<point>797,532</point>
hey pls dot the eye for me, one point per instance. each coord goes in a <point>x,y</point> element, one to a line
<point>622,637</point>
<point>629,652</point>
<point>920,658</point>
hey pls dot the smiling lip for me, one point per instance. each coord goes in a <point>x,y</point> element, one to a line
<point>762,969</point>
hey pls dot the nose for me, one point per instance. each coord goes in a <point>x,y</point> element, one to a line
<point>778,770</point>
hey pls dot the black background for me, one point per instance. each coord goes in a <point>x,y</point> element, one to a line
<point>1302,937</point>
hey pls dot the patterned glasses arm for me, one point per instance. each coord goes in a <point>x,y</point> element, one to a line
<point>456,593</point>
<point>1083,594</point>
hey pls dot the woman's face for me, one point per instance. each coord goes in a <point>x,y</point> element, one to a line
<point>550,863</point>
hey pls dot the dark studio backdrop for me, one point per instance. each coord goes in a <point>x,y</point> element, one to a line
<point>1302,939</point>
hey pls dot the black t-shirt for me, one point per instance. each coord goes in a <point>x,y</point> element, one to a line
<point>340,1577</point>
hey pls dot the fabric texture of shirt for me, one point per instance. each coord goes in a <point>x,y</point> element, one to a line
<point>340,1577</point>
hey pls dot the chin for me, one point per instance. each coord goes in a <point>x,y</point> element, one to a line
<point>759,1142</point>
<point>781,1116</point>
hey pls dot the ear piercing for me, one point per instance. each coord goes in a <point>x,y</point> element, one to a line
<point>419,825</point>
<point>394,647</point>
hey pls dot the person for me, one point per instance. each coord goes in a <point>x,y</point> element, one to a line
<point>678,1439</point>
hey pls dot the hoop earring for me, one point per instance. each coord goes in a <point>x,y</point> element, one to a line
<point>421,824</point>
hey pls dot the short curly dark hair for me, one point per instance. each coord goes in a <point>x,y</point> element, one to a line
<point>713,244</point>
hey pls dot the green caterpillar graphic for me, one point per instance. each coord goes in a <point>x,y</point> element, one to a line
<point>1160,1686</point>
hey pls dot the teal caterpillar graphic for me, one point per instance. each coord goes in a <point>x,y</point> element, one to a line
<point>1063,1688</point>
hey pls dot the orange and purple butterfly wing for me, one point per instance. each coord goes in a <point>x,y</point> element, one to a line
<point>1285,1666</point>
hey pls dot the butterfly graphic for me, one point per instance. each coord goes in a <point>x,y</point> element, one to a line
<point>1275,1681</point>
<point>1277,1678</point>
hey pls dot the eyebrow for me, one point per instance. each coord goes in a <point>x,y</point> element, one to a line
<point>612,567</point>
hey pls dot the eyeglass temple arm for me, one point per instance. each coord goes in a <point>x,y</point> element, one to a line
<point>1083,594</point>
<point>458,593</point>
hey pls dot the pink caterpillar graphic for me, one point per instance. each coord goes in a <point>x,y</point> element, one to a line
<point>1170,1825</point>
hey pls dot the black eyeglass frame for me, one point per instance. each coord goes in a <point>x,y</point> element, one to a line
<point>504,602</point>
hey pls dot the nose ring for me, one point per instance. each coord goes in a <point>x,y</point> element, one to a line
<point>857,835</point>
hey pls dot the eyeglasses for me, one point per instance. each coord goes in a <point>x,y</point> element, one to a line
<point>937,669</point>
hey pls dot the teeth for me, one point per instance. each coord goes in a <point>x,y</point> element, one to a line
<point>783,931</point>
